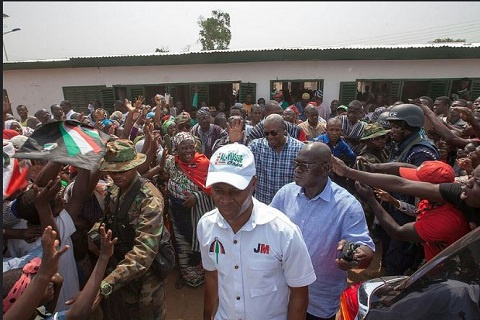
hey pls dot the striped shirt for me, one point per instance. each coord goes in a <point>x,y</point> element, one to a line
<point>274,170</point>
<point>353,133</point>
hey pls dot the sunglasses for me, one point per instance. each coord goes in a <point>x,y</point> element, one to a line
<point>303,166</point>
<point>273,133</point>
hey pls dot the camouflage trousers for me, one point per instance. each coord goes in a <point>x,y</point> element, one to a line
<point>143,299</point>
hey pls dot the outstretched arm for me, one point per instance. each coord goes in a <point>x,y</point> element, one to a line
<point>84,303</point>
<point>387,182</point>
<point>405,232</point>
<point>26,304</point>
<point>442,129</point>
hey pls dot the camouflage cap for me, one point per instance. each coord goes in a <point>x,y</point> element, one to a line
<point>373,130</point>
<point>121,156</point>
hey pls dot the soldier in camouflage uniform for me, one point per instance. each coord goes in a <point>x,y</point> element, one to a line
<point>374,151</point>
<point>374,137</point>
<point>131,289</point>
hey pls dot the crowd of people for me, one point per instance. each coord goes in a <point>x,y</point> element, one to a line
<point>259,200</point>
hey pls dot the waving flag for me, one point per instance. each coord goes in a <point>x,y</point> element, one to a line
<point>68,142</point>
<point>14,177</point>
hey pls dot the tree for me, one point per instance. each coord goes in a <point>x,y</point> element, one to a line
<point>215,33</point>
<point>162,49</point>
<point>441,40</point>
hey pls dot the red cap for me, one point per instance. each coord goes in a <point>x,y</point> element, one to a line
<point>294,109</point>
<point>429,171</point>
<point>278,95</point>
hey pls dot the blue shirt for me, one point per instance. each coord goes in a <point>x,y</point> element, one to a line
<point>274,170</point>
<point>341,149</point>
<point>324,220</point>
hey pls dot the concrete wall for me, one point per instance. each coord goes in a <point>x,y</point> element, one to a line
<point>41,88</point>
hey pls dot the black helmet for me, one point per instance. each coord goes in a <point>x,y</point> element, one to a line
<point>410,113</point>
<point>382,120</point>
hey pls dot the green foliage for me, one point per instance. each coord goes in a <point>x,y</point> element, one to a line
<point>162,49</point>
<point>215,33</point>
<point>441,40</point>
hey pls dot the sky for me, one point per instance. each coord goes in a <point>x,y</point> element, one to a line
<point>56,30</point>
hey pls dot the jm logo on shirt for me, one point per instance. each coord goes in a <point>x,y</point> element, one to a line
<point>262,248</point>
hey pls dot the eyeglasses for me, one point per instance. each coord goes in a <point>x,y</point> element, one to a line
<point>273,133</point>
<point>303,166</point>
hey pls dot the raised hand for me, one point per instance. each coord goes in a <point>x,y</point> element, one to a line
<point>339,167</point>
<point>107,244</point>
<point>49,192</point>
<point>465,113</point>
<point>51,256</point>
<point>383,195</point>
<point>128,105</point>
<point>465,164</point>
<point>235,129</point>
<point>139,102</point>
<point>365,191</point>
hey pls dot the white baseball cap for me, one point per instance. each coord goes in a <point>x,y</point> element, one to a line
<point>233,164</point>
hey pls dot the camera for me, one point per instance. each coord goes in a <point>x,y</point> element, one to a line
<point>348,251</point>
<point>96,238</point>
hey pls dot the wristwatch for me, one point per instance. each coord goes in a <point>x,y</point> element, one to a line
<point>106,289</point>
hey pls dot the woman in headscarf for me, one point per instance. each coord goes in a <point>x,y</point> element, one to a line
<point>189,199</point>
<point>15,125</point>
<point>169,129</point>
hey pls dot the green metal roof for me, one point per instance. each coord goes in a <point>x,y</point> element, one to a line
<point>394,52</point>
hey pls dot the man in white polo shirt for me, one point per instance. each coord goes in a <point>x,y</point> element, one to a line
<point>257,264</point>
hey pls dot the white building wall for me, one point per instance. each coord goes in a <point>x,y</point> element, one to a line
<point>40,88</point>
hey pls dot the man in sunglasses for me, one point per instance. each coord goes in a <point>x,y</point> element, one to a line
<point>328,216</point>
<point>273,156</point>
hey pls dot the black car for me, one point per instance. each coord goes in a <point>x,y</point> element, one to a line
<point>447,287</point>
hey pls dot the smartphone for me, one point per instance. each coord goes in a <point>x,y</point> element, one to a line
<point>167,97</point>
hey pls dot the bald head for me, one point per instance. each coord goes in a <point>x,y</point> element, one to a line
<point>333,121</point>
<point>272,107</point>
<point>275,119</point>
<point>317,151</point>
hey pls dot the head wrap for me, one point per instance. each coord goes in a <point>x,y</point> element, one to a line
<point>167,124</point>
<point>29,270</point>
<point>8,123</point>
<point>180,137</point>
<point>204,111</point>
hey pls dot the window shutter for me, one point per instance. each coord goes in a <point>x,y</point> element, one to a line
<point>172,89</point>
<point>348,92</point>
<point>439,88</point>
<point>475,89</point>
<point>396,89</point>
<point>134,92</point>
<point>81,96</point>
<point>108,99</point>
<point>247,88</point>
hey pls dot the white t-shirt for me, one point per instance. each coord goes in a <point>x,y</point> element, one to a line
<point>67,266</point>
<point>257,264</point>
<point>69,114</point>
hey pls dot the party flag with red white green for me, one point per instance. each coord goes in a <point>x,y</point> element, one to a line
<point>68,142</point>
<point>14,175</point>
